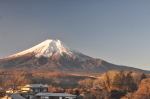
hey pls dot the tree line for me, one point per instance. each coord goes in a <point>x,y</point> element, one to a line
<point>110,85</point>
<point>114,84</point>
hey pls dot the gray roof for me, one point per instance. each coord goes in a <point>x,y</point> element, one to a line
<point>35,86</point>
<point>14,96</point>
<point>55,94</point>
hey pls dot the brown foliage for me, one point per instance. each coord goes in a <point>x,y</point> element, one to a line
<point>55,89</point>
<point>14,79</point>
<point>87,82</point>
<point>144,90</point>
<point>56,79</point>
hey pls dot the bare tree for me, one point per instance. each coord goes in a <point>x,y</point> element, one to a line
<point>15,79</point>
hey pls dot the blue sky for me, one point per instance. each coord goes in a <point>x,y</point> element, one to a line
<point>117,31</point>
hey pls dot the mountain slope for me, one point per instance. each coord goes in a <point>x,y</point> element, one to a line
<point>54,55</point>
<point>50,48</point>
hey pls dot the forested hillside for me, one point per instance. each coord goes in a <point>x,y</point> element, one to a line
<point>57,79</point>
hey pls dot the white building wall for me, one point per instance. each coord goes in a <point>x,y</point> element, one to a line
<point>70,97</point>
<point>45,90</point>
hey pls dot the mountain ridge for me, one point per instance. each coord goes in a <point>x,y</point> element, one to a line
<point>54,55</point>
<point>50,47</point>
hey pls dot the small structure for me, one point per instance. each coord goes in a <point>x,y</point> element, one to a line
<point>30,90</point>
<point>49,95</point>
<point>34,88</point>
<point>13,96</point>
<point>8,89</point>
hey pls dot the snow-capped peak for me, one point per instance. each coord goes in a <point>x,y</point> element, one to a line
<point>50,47</point>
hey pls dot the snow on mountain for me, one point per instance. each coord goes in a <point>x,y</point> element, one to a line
<point>50,47</point>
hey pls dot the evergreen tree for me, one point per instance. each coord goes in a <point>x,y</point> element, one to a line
<point>119,81</point>
<point>143,76</point>
<point>130,84</point>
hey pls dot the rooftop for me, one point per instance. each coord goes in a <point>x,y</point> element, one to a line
<point>35,86</point>
<point>14,96</point>
<point>55,94</point>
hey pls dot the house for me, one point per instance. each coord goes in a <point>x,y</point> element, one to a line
<point>34,88</point>
<point>10,90</point>
<point>13,96</point>
<point>49,95</point>
<point>30,90</point>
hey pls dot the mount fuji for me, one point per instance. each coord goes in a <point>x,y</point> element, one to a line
<point>54,55</point>
<point>49,48</point>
